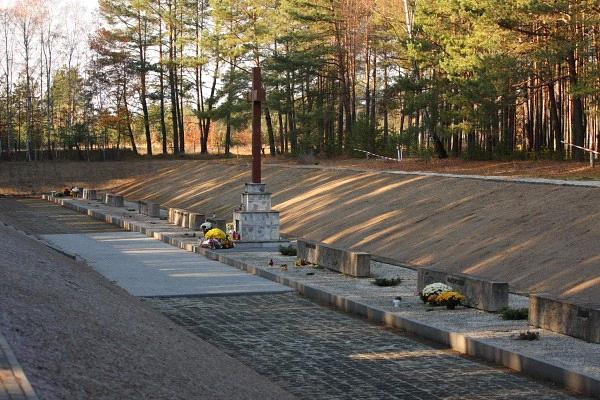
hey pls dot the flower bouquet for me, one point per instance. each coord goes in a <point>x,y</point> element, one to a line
<point>450,299</point>
<point>432,290</point>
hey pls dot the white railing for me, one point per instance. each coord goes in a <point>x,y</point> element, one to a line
<point>368,153</point>
<point>592,152</point>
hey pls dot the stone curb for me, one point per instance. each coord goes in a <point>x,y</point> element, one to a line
<point>531,366</point>
<point>20,376</point>
<point>492,178</point>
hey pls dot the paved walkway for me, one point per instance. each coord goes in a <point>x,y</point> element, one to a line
<point>139,264</point>
<point>318,353</point>
<point>35,217</point>
<point>146,267</point>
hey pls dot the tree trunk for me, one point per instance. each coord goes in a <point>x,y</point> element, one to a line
<point>228,133</point>
<point>438,146</point>
<point>211,102</point>
<point>270,130</point>
<point>128,119</point>
<point>290,114</point>
<point>229,101</point>
<point>385,103</point>
<point>163,126</point>
<point>281,128</point>
<point>556,128</point>
<point>172,85</point>
<point>142,54</point>
<point>577,124</point>
<point>8,85</point>
<point>29,100</point>
<point>180,109</point>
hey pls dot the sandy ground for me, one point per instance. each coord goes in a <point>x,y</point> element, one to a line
<point>539,169</point>
<point>540,238</point>
<point>78,336</point>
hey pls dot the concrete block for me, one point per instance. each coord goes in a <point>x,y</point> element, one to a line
<point>178,217</point>
<point>153,209</point>
<point>89,194</point>
<point>195,220</point>
<point>256,201</point>
<point>185,219</point>
<point>255,188</point>
<point>480,293</point>
<point>113,200</point>
<point>149,208</point>
<point>188,219</point>
<point>118,201</point>
<point>256,226</point>
<point>580,320</point>
<point>348,262</point>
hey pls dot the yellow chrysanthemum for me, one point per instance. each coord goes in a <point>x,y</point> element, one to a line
<point>446,297</point>
<point>215,233</point>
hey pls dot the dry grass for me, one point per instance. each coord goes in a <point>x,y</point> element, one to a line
<point>538,169</point>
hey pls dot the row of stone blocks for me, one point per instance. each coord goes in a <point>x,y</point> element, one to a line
<point>186,219</point>
<point>86,194</point>
<point>192,220</point>
<point>479,293</point>
<point>580,320</point>
<point>353,263</point>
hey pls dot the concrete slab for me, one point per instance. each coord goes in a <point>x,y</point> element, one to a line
<point>146,267</point>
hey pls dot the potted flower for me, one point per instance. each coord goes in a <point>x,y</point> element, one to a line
<point>432,290</point>
<point>450,299</point>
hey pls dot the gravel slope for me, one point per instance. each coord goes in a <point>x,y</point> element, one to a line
<point>78,336</point>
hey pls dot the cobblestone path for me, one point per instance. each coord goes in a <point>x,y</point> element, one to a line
<point>10,384</point>
<point>318,353</point>
<point>35,216</point>
<point>9,388</point>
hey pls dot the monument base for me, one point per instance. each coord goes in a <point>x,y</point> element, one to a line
<point>257,225</point>
<point>255,221</point>
<point>262,244</point>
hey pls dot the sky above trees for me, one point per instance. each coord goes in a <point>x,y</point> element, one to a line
<point>85,5</point>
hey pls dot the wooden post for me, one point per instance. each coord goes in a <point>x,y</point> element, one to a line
<point>257,97</point>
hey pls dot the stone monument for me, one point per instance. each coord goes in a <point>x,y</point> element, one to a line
<point>254,220</point>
